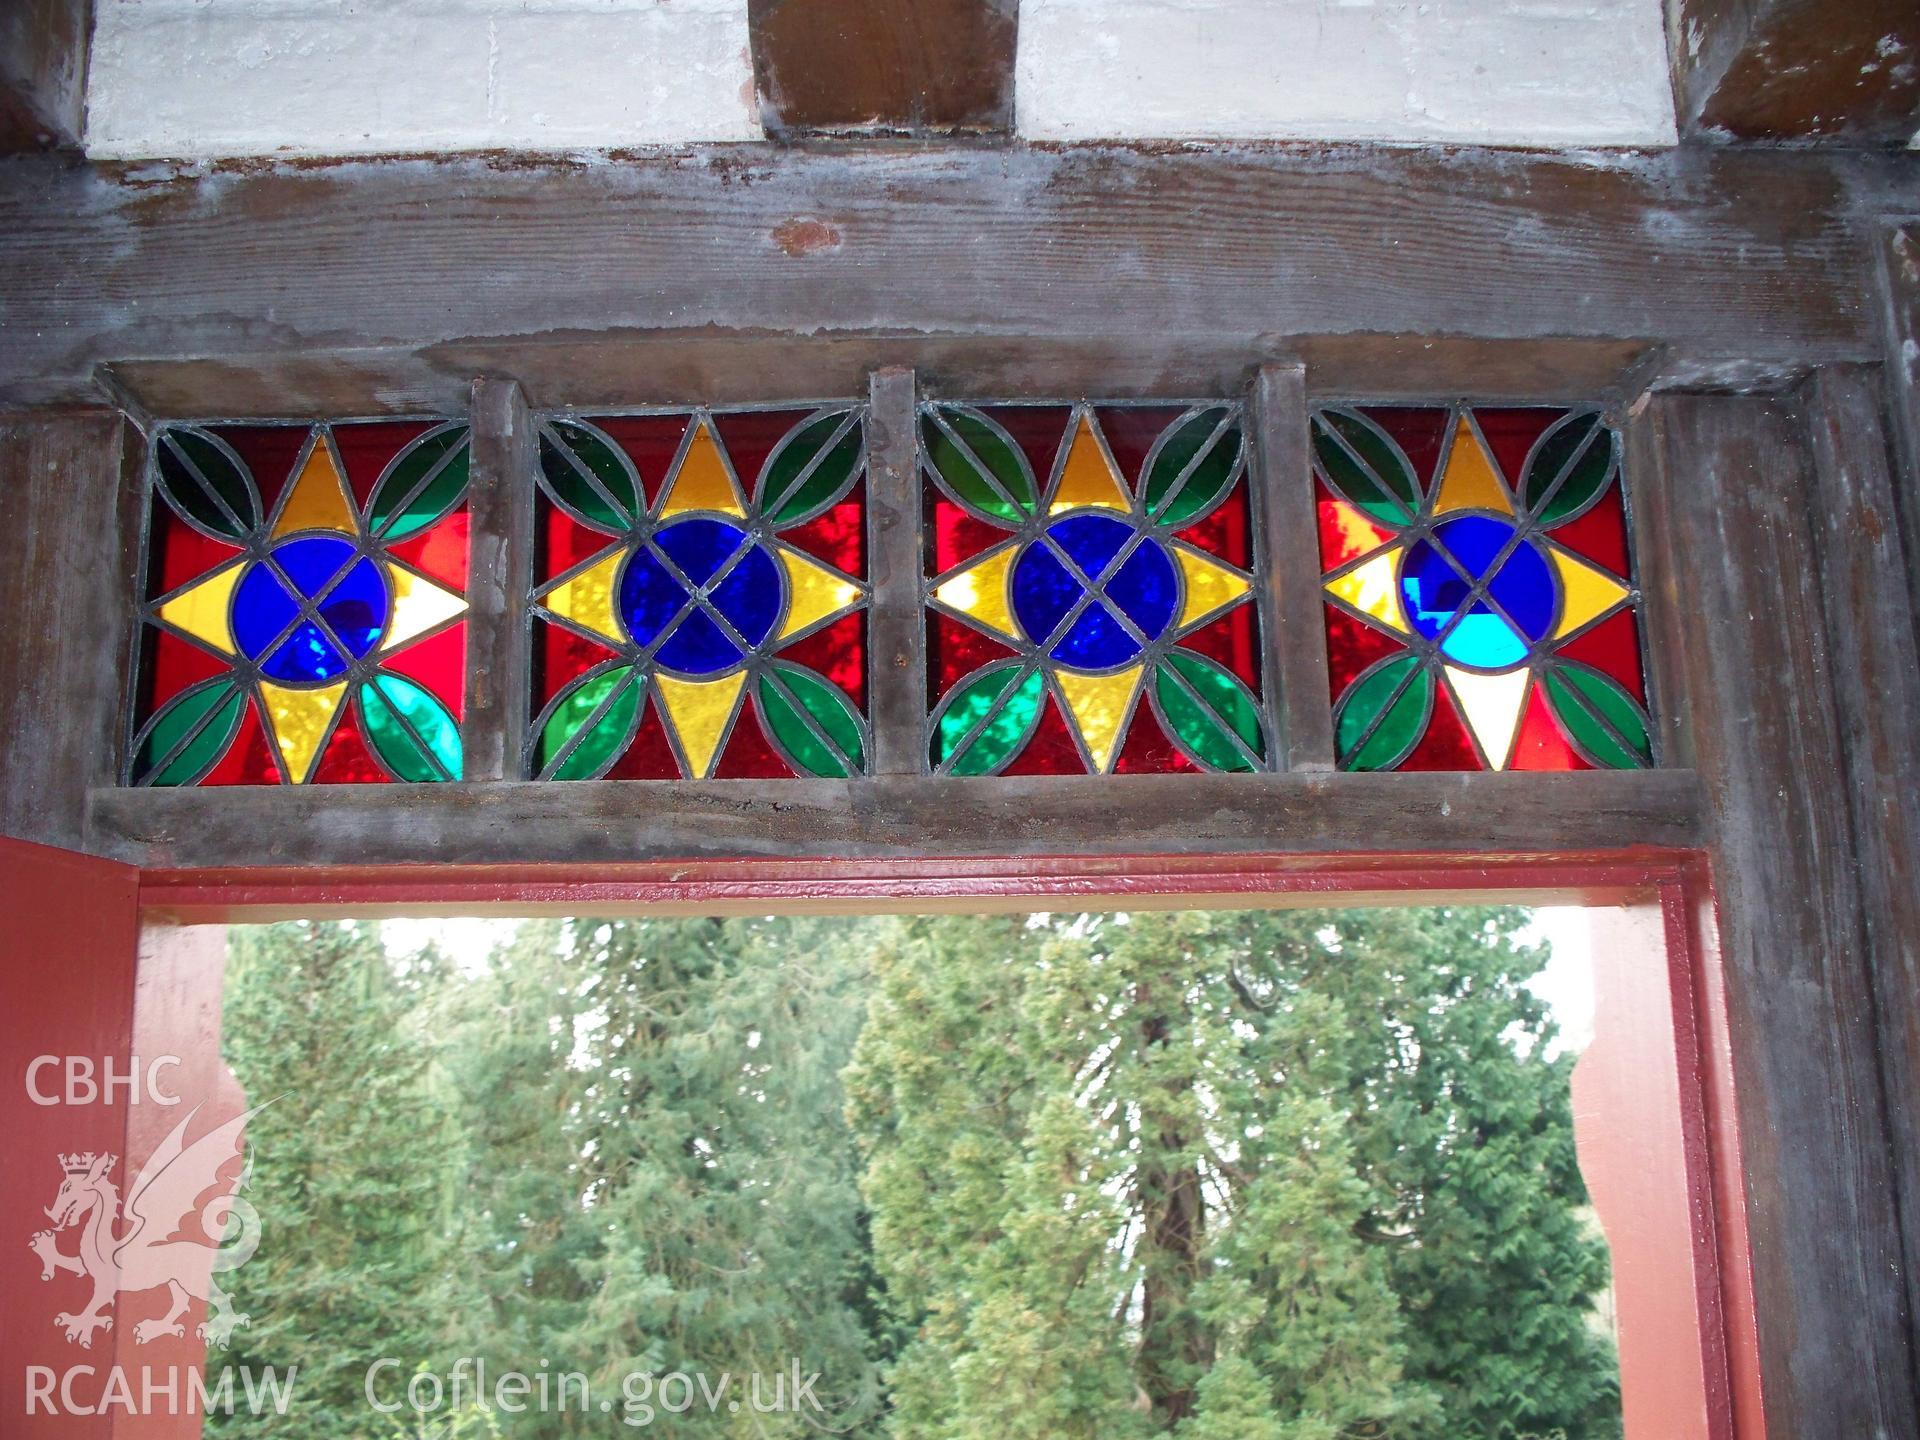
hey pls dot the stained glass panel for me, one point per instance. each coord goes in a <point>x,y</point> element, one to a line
<point>1480,596</point>
<point>700,595</point>
<point>1089,590</point>
<point>304,603</point>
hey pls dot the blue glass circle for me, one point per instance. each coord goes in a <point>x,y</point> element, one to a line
<point>353,611</point>
<point>1144,588</point>
<point>747,597</point>
<point>1523,589</point>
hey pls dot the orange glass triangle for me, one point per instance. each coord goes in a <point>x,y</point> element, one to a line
<point>1471,481</point>
<point>318,499</point>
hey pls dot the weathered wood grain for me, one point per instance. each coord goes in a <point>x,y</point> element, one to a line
<point>933,67</point>
<point>367,279</point>
<point>534,822</point>
<point>499,576</point>
<point>1729,541</point>
<point>1899,306</point>
<point>1797,70</point>
<point>701,367</point>
<point>896,637</point>
<point>1875,670</point>
<point>1288,569</point>
<point>43,72</point>
<point>66,589</point>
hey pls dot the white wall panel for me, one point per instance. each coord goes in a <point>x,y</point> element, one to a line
<point>176,78</point>
<point>1544,73</point>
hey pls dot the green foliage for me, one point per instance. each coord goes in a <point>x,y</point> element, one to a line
<point>1227,1175</point>
<point>662,1181</point>
<point>355,1161</point>
<point>1213,1176</point>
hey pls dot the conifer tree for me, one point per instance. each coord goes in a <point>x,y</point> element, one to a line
<point>1272,1175</point>
<point>1213,1176</point>
<point>354,1167</point>
<point>661,1178</point>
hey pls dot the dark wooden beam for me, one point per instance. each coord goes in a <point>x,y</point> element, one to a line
<point>43,73</point>
<point>559,822</point>
<point>883,67</point>
<point>66,588</point>
<point>1730,542</point>
<point>1899,305</point>
<point>1797,69</point>
<point>380,284</point>
<point>1875,668</point>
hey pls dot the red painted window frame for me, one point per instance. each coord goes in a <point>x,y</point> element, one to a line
<point>1654,1094</point>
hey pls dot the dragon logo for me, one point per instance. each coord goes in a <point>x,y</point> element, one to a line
<point>152,1252</point>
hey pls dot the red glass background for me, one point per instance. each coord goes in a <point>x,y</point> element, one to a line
<point>177,554</point>
<point>1599,535</point>
<point>955,650</point>
<point>837,536</point>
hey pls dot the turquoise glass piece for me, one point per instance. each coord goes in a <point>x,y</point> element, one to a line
<point>1516,600</point>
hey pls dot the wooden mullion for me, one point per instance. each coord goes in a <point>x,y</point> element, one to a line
<point>499,573</point>
<point>1660,574</point>
<point>896,635</point>
<point>1287,570</point>
<point>136,438</point>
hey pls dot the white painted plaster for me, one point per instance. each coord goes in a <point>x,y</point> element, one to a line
<point>212,78</point>
<point>1546,73</point>
<point>198,79</point>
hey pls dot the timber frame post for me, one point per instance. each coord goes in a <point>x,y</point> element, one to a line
<point>1751,631</point>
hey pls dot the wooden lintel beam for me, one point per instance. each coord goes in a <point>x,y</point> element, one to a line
<point>881,67</point>
<point>43,73</point>
<point>367,285</point>
<point>1797,69</point>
